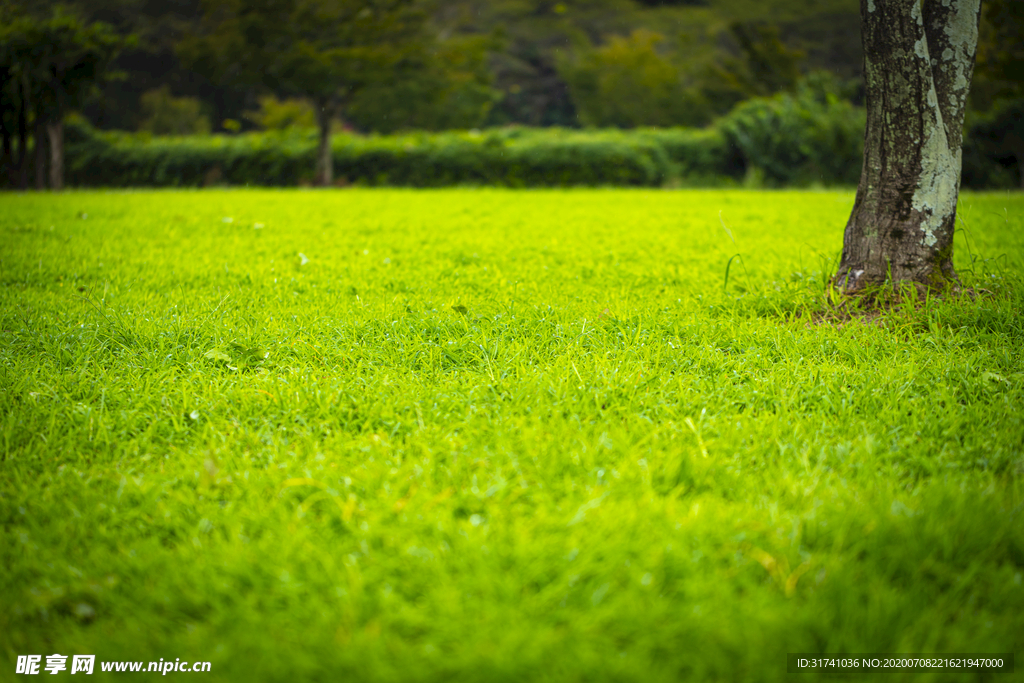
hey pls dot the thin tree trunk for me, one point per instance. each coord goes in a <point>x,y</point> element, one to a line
<point>324,160</point>
<point>21,170</point>
<point>8,155</point>
<point>918,64</point>
<point>55,130</point>
<point>39,153</point>
<point>5,149</point>
<point>1018,153</point>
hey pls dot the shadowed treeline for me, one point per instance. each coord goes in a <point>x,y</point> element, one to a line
<point>366,66</point>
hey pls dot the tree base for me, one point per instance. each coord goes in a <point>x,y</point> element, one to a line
<point>872,304</point>
<point>938,280</point>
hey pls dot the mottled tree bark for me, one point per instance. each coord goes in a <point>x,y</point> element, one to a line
<point>918,63</point>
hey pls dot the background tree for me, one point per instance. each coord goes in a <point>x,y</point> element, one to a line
<point>322,50</point>
<point>627,83</point>
<point>438,85</point>
<point>72,58</point>
<point>918,64</point>
<point>549,63</point>
<point>763,66</point>
<point>999,73</point>
<point>56,62</point>
<point>811,135</point>
<point>997,93</point>
<point>521,62</point>
<point>999,133</point>
<point>14,98</point>
<point>275,114</point>
<point>169,115</point>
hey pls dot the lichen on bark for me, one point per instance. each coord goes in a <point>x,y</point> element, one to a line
<point>919,57</point>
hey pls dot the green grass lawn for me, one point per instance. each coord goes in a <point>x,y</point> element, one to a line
<point>483,435</point>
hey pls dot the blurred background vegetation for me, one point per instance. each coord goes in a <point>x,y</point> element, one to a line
<point>779,81</point>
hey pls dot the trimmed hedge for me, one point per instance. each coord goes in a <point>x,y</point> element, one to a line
<point>698,156</point>
<point>807,137</point>
<point>509,157</point>
<point>95,159</point>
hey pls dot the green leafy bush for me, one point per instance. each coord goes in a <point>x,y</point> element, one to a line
<point>275,114</point>
<point>446,88</point>
<point>627,83</point>
<point>699,156</point>
<point>169,115</point>
<point>811,136</point>
<point>139,160</point>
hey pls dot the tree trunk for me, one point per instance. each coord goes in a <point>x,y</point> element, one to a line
<point>324,160</point>
<point>55,130</point>
<point>918,64</point>
<point>1017,147</point>
<point>20,171</point>
<point>7,163</point>
<point>39,152</point>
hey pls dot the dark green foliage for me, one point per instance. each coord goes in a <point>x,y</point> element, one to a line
<point>444,88</point>
<point>771,66</point>
<point>326,51</point>
<point>127,160</point>
<point>60,59</point>
<point>627,83</point>
<point>48,66</point>
<point>999,69</point>
<point>994,147</point>
<point>766,66</point>
<point>671,3</point>
<point>699,156</point>
<point>812,136</point>
<point>525,39</point>
<point>321,50</point>
<point>556,159</point>
<point>169,115</point>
